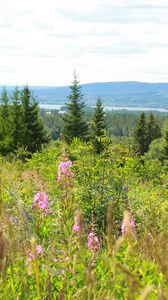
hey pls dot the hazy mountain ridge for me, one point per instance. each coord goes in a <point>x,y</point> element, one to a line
<point>129,93</point>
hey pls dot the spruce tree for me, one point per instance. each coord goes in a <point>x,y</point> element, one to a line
<point>33,133</point>
<point>140,135</point>
<point>74,122</point>
<point>153,130</point>
<point>98,127</point>
<point>16,118</point>
<point>6,139</point>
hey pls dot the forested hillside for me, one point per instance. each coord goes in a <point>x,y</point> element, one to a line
<point>84,150</point>
<point>84,211</point>
<point>118,123</point>
<point>129,93</point>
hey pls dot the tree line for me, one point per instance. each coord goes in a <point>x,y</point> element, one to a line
<point>22,128</point>
<point>20,124</point>
<point>145,131</point>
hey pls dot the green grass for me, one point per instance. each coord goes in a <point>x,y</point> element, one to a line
<point>96,195</point>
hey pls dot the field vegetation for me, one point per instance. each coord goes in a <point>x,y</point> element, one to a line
<point>85,215</point>
<point>81,225</point>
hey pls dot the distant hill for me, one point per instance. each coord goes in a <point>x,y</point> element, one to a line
<point>131,93</point>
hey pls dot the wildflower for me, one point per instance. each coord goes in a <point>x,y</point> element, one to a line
<point>128,225</point>
<point>93,242</point>
<point>64,169</point>
<point>67,258</point>
<point>29,262</point>
<point>77,227</point>
<point>39,249</point>
<point>55,260</point>
<point>41,201</point>
<point>31,257</point>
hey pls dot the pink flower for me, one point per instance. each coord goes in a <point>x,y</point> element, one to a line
<point>64,169</point>
<point>76,228</point>
<point>55,260</point>
<point>67,258</point>
<point>29,262</point>
<point>41,201</point>
<point>93,242</point>
<point>43,204</point>
<point>39,249</point>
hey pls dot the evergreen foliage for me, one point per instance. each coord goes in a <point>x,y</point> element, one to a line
<point>140,135</point>
<point>153,129</point>
<point>165,148</point>
<point>5,124</point>
<point>98,127</point>
<point>100,236</point>
<point>33,134</point>
<point>145,132</point>
<point>16,119</point>
<point>74,122</point>
<point>20,125</point>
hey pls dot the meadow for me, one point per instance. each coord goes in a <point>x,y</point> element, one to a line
<point>78,225</point>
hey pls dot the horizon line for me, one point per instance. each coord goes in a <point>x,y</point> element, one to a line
<point>81,84</point>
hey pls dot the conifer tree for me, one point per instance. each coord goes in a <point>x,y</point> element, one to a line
<point>165,148</point>
<point>6,138</point>
<point>140,135</point>
<point>33,133</point>
<point>16,118</point>
<point>153,130</point>
<point>166,145</point>
<point>98,127</point>
<point>74,122</point>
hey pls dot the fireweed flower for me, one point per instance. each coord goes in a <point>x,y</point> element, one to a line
<point>64,169</point>
<point>41,201</point>
<point>93,242</point>
<point>31,257</point>
<point>77,227</point>
<point>128,225</point>
<point>67,258</point>
<point>39,249</point>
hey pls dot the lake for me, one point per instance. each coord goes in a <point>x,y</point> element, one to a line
<point>108,108</point>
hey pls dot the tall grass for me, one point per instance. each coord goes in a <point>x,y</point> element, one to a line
<point>81,243</point>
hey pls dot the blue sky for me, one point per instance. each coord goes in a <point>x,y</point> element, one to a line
<point>43,42</point>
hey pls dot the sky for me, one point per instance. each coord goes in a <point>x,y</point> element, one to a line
<point>42,42</point>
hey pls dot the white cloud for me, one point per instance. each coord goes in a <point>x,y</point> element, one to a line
<point>42,42</point>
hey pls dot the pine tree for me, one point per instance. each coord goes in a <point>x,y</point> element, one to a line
<point>98,127</point>
<point>74,122</point>
<point>153,130</point>
<point>6,139</point>
<point>33,133</point>
<point>140,135</point>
